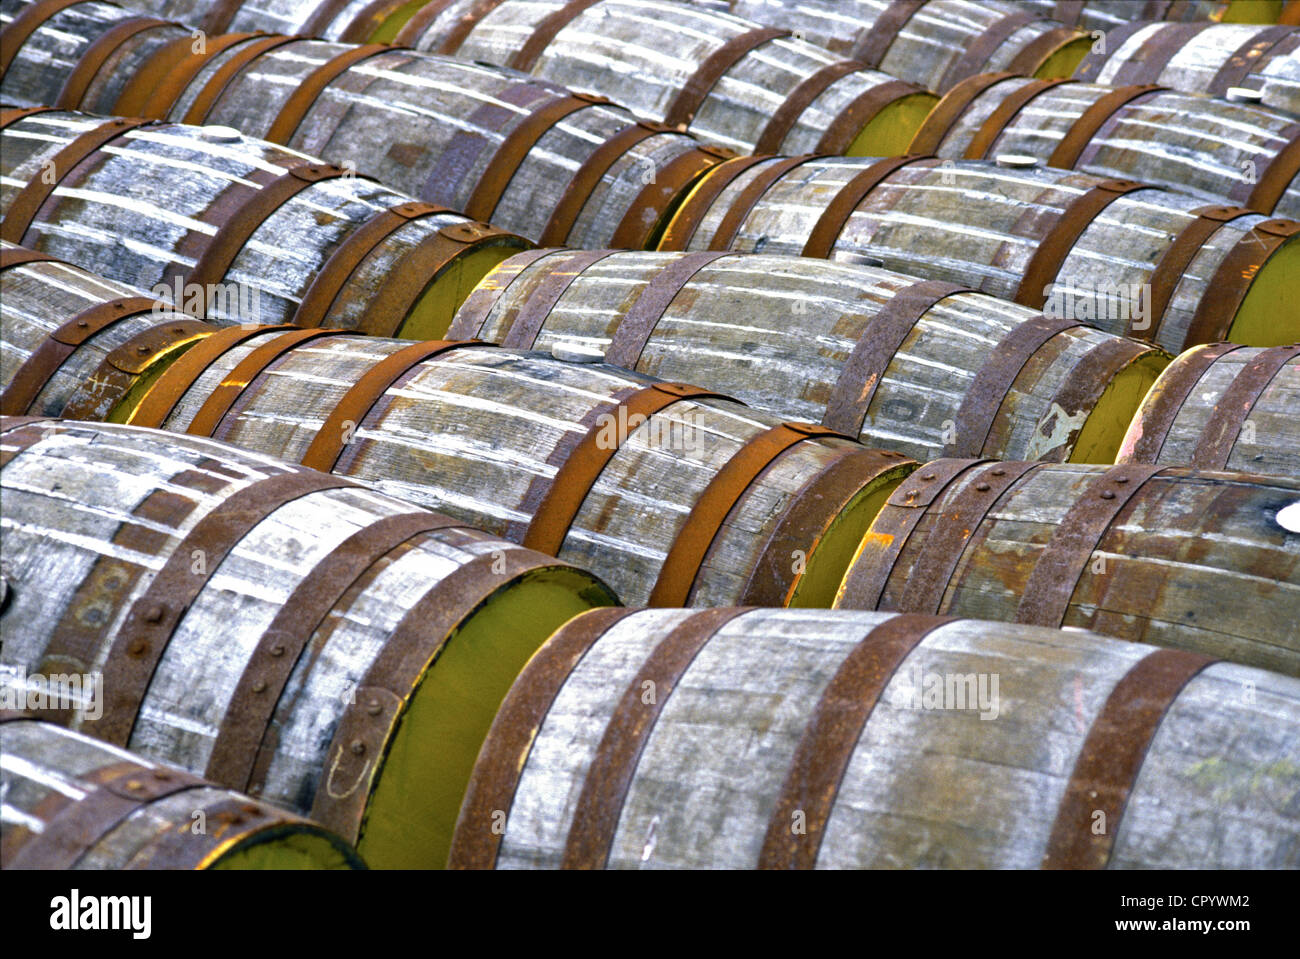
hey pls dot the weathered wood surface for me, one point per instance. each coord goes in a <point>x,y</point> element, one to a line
<point>1108,14</point>
<point>1195,560</point>
<point>97,515</point>
<point>1211,409</point>
<point>1202,58</point>
<point>976,785</point>
<point>936,45</point>
<point>778,333</point>
<point>481,434</point>
<point>353,21</point>
<point>147,207</point>
<point>982,225</point>
<point>645,53</point>
<point>1210,148</point>
<point>47,772</point>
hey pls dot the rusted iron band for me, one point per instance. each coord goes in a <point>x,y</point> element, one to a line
<point>744,202</point>
<point>831,736</point>
<point>1111,758</point>
<point>531,317</point>
<point>1173,263</point>
<point>593,169</point>
<point>1036,52</point>
<point>464,26</point>
<point>1062,561</point>
<point>950,108</point>
<point>821,241</point>
<point>1006,111</point>
<point>44,361</point>
<point>27,21</point>
<point>1089,378</point>
<point>1054,247</point>
<point>952,532</point>
<point>1081,132</point>
<point>96,55</point>
<point>978,49</point>
<point>473,313</point>
<point>636,230</point>
<point>583,465</point>
<point>501,761</point>
<point>850,399</point>
<point>872,47</point>
<point>1156,53</point>
<point>367,21</point>
<point>11,115</point>
<point>17,440</point>
<point>686,221</point>
<point>1232,280</point>
<point>165,76</point>
<point>220,15</point>
<point>979,407</point>
<point>1245,58</point>
<point>1276,176</point>
<point>604,790</point>
<point>681,112</point>
<point>421,20</point>
<point>310,87</point>
<point>271,663</point>
<point>800,98</point>
<point>1091,65</point>
<point>322,15</point>
<point>1165,400</point>
<point>20,255</point>
<point>853,119</point>
<point>1068,11</point>
<point>545,31</point>
<point>225,820</point>
<point>1219,437</point>
<point>645,312</point>
<point>27,202</point>
<point>225,75</point>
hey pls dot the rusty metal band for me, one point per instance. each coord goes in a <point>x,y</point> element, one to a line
<point>16,443</point>
<point>160,401</point>
<point>501,761</point>
<point>266,673</point>
<point>1276,177</point>
<point>28,20</point>
<point>473,313</point>
<point>322,16</point>
<point>1068,11</point>
<point>582,465</point>
<point>9,423</point>
<point>637,228</point>
<point>984,398</point>
<point>613,766</point>
<point>1054,247</point>
<point>1165,400</point>
<point>992,128</point>
<point>11,115</point>
<point>44,361</point>
<point>165,77</point>
<point>526,57</point>
<point>356,404</point>
<point>309,89</point>
<point>640,318</point>
<point>118,791</point>
<point>1232,280</point>
<point>700,84</point>
<point>1111,758</point>
<point>154,617</point>
<point>459,32</point>
<point>1036,52</point>
<point>367,21</point>
<point>589,175</point>
<point>413,30</point>
<point>1219,437</point>
<point>799,99</point>
<point>27,202</point>
<point>333,276</point>
<point>739,209</point>
<point>20,255</point>
<point>855,387</point>
<point>96,55</point>
<point>872,47</point>
<point>1290,14</point>
<point>690,547</point>
<point>686,221</point>
<point>1173,263</point>
<point>1089,378</point>
<point>821,241</point>
<point>953,530</point>
<point>950,108</point>
<point>1236,68</point>
<point>828,742</point>
<point>1091,65</point>
<point>801,526</point>
<point>1156,53</point>
<point>1062,561</point>
<point>853,119</point>
<point>220,15</point>
<point>230,822</point>
<point>1163,10</point>
<point>238,228</point>
<point>1081,132</point>
<point>978,49</point>
<point>528,320</point>
<point>225,75</point>
<point>514,149</point>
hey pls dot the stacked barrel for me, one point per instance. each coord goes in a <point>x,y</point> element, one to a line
<point>612,434</point>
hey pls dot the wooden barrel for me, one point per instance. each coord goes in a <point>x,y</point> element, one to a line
<point>733,82</point>
<point>1128,258</point>
<point>789,739</point>
<point>905,364</point>
<point>252,231</point>
<point>1218,151</point>
<point>281,632</point>
<point>1169,556</point>
<point>72,802</point>
<point>1221,407</point>
<point>522,153</point>
<point>932,43</point>
<point>348,21</point>
<point>1202,58</point>
<point>1108,14</point>
<point>671,493</point>
<point>76,346</point>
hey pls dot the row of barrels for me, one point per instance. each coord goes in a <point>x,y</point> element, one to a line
<point>365,674</point>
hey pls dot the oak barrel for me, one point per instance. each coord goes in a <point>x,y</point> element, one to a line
<point>350,21</point>
<point>799,739</point>
<point>279,631</point>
